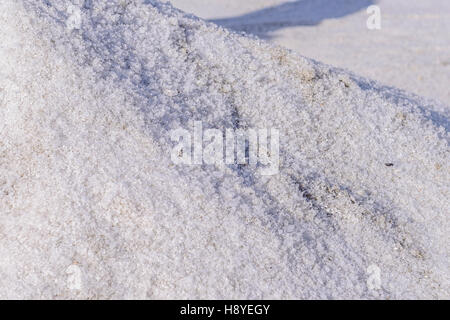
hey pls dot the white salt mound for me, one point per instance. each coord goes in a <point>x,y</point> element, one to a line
<point>91,205</point>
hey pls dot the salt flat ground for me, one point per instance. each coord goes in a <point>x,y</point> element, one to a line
<point>410,52</point>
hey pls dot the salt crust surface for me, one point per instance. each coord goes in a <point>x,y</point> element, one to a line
<point>91,205</point>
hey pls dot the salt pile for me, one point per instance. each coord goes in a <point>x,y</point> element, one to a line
<point>92,206</point>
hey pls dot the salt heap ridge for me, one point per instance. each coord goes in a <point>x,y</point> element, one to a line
<point>91,205</point>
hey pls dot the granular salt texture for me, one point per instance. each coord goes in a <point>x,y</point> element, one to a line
<point>91,205</point>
